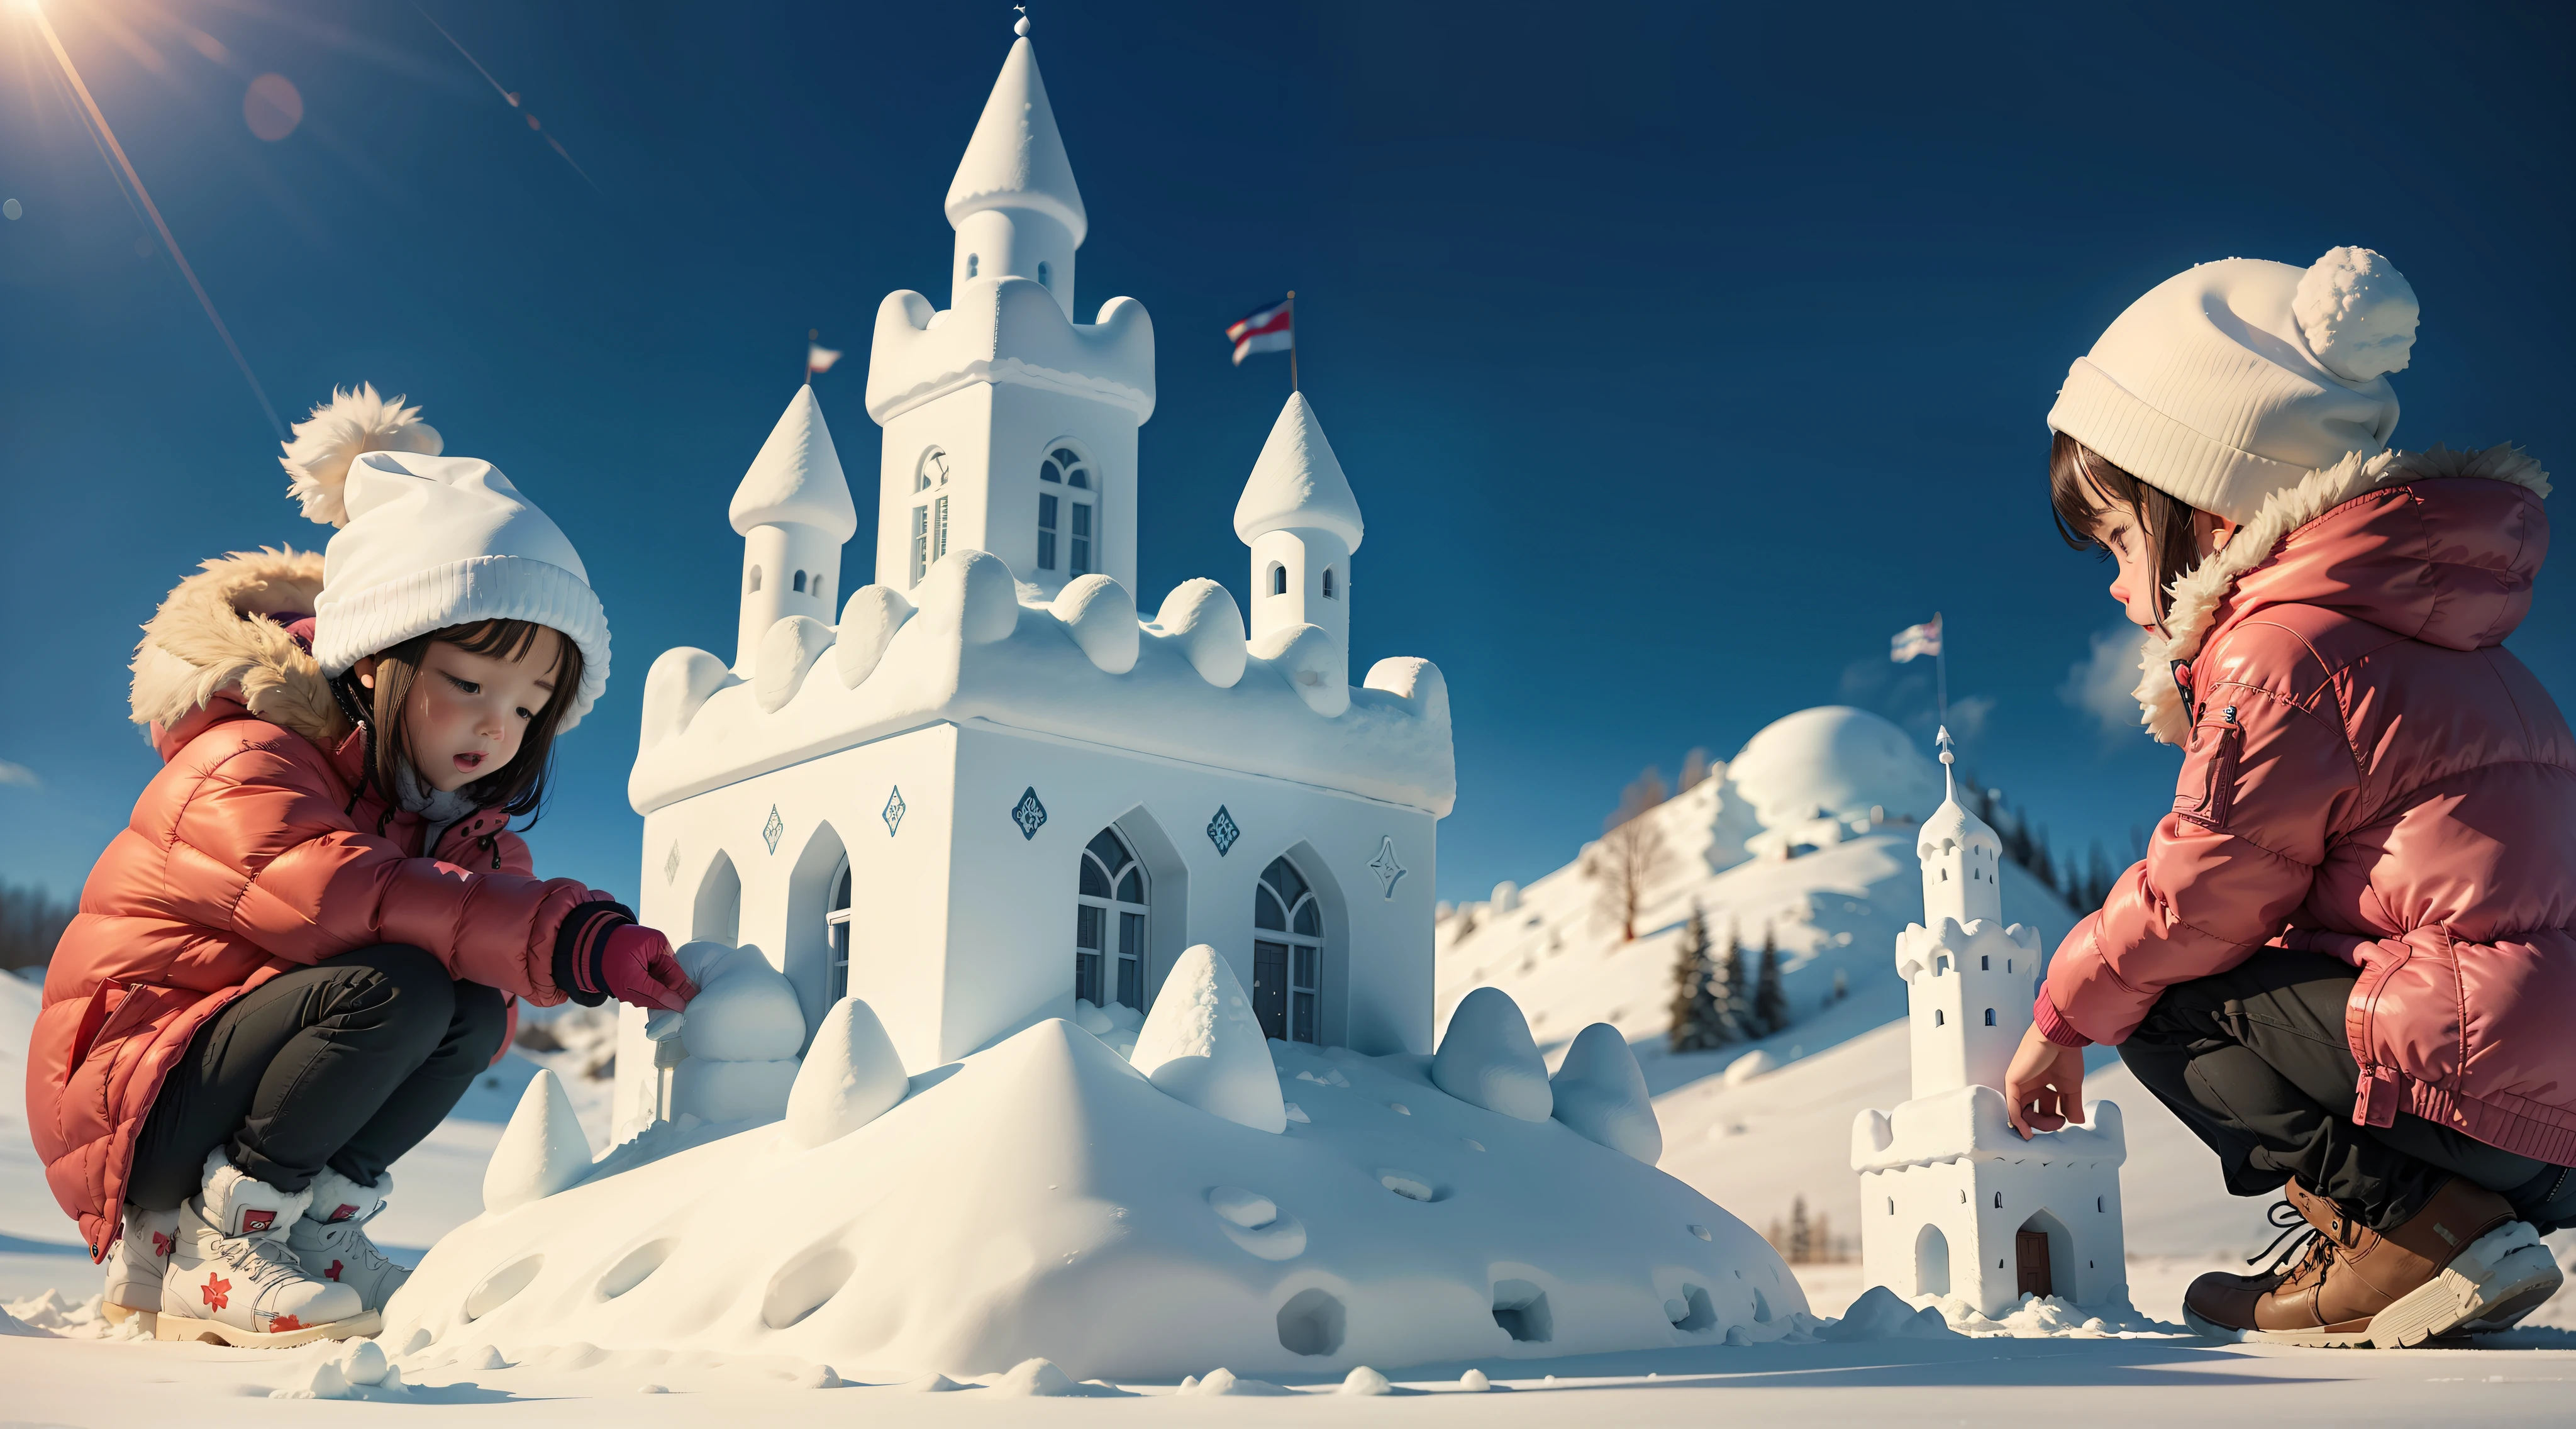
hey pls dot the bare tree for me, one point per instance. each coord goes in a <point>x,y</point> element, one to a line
<point>30,923</point>
<point>1694,769</point>
<point>1631,854</point>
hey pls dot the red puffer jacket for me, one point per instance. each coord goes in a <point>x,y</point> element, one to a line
<point>2368,774</point>
<point>243,859</point>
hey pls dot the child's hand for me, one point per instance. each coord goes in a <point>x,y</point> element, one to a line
<point>637,967</point>
<point>2044,1086</point>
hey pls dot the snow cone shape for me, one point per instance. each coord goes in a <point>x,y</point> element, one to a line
<point>1202,1044</point>
<point>1601,1093</point>
<point>542,1151</point>
<point>1488,1059</point>
<point>851,1076</point>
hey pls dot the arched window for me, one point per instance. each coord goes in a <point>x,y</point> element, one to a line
<point>1045,280</point>
<point>800,582</point>
<point>1109,924</point>
<point>972,263</point>
<point>818,592</point>
<point>1069,515</point>
<point>1287,947</point>
<point>1990,1017</point>
<point>1278,579</point>
<point>836,927</point>
<point>1328,583</point>
<point>755,580</point>
<point>930,518</point>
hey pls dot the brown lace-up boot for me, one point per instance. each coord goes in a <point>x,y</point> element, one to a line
<point>2462,1257</point>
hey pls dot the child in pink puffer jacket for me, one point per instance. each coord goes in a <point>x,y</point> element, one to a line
<point>2348,960</point>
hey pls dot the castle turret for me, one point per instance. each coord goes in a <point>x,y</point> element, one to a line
<point>793,511</point>
<point>1014,204</point>
<point>1299,517</point>
<point>1968,977</point>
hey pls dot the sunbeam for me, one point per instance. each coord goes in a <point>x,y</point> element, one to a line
<point>36,13</point>
<point>512,96</point>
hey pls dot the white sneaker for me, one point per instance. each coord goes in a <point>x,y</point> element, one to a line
<point>232,1280</point>
<point>330,1238</point>
<point>135,1265</point>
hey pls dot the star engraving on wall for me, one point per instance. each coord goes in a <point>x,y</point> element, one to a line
<point>1388,871</point>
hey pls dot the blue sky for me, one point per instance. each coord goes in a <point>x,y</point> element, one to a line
<point>1678,355</point>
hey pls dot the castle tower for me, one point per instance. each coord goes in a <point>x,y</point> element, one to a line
<point>1968,981</point>
<point>793,511</point>
<point>1010,427</point>
<point>1299,517</point>
<point>1953,1201</point>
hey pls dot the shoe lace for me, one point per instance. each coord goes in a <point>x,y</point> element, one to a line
<point>264,1262</point>
<point>2305,1240</point>
<point>349,1238</point>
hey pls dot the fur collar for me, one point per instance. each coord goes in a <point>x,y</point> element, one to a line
<point>2198,593</point>
<point>209,640</point>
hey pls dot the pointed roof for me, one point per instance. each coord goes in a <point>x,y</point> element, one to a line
<point>1953,820</point>
<point>1017,159</point>
<point>1298,483</point>
<point>797,477</point>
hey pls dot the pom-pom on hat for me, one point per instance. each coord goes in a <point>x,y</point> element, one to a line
<point>430,541</point>
<point>2231,381</point>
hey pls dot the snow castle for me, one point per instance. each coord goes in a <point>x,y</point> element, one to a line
<point>985,792</point>
<point>1066,985</point>
<point>1953,1201</point>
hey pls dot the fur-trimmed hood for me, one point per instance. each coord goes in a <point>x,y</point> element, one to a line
<point>211,639</point>
<point>2496,555</point>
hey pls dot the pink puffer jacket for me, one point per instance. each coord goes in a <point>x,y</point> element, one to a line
<point>245,858</point>
<point>2368,774</point>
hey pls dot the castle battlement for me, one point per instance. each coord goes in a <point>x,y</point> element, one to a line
<point>1008,330</point>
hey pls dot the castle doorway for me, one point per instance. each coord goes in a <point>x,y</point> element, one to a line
<point>2030,1264</point>
<point>1931,1262</point>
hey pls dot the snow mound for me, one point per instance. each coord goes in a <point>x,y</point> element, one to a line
<point>1487,1058</point>
<point>1202,1044</point>
<point>1879,1315</point>
<point>542,1151</point>
<point>1226,1381</point>
<point>849,1078</point>
<point>1752,1064</point>
<point>988,1217</point>
<point>1600,1093</point>
<point>2046,1317</point>
<point>1832,762</point>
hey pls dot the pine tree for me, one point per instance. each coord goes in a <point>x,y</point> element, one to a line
<point>1770,1000</point>
<point>1728,1012</point>
<point>1690,980</point>
<point>1802,1246</point>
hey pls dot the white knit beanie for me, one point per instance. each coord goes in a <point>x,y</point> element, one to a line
<point>428,541</point>
<point>2236,379</point>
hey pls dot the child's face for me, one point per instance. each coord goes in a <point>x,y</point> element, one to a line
<point>467,713</point>
<point>2133,580</point>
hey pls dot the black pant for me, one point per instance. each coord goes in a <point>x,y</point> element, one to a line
<point>2254,1061</point>
<point>346,1064</point>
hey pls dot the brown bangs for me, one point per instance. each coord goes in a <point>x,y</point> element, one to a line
<point>2083,487</point>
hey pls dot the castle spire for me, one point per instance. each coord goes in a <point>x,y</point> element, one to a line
<point>1016,208</point>
<point>793,511</point>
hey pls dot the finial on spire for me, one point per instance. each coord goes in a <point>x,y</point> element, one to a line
<point>1020,26</point>
<point>1949,781</point>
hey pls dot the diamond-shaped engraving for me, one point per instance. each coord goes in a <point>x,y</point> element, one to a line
<point>893,812</point>
<point>671,865</point>
<point>1388,871</point>
<point>1028,813</point>
<point>1222,832</point>
<point>769,832</point>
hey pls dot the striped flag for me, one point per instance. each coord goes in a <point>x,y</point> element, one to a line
<point>1913,640</point>
<point>1269,330</point>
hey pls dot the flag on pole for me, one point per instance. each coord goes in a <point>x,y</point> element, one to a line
<point>1913,640</point>
<point>819,358</point>
<point>1269,330</point>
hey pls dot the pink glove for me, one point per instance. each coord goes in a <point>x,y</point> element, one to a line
<point>636,966</point>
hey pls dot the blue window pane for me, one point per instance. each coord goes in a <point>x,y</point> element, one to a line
<point>1047,472</point>
<point>1086,977</point>
<point>1131,889</point>
<point>1095,882</point>
<point>1105,846</point>
<point>1081,555</point>
<point>1266,912</point>
<point>800,581</point>
<point>1305,1030</point>
<point>1307,920</point>
<point>1081,520</point>
<point>1305,968</point>
<point>1064,457</point>
<point>1283,875</point>
<point>1046,550</point>
<point>1086,928</point>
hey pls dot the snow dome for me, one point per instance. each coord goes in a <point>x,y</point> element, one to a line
<point>1833,762</point>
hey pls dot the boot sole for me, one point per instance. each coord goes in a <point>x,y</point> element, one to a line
<point>2503,1275</point>
<point>173,1326</point>
<point>2352,1335</point>
<point>118,1314</point>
